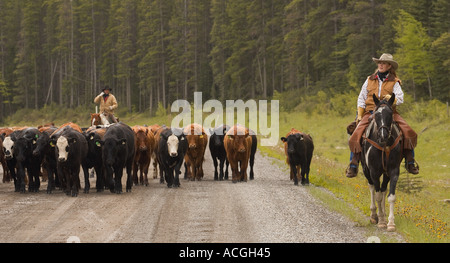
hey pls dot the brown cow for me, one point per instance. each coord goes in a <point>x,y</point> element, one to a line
<point>144,146</point>
<point>195,155</point>
<point>71,124</point>
<point>238,145</point>
<point>155,129</point>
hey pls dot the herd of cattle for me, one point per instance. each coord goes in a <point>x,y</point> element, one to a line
<point>109,149</point>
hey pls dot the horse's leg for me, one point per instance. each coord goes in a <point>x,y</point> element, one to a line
<point>391,199</point>
<point>373,205</point>
<point>379,197</point>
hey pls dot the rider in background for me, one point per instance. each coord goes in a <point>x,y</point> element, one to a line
<point>382,83</point>
<point>108,102</point>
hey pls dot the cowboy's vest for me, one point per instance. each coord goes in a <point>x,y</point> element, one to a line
<point>372,88</point>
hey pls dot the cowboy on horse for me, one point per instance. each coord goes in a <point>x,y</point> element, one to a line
<point>108,104</point>
<point>382,84</point>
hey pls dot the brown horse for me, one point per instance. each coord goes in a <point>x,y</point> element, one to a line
<point>103,119</point>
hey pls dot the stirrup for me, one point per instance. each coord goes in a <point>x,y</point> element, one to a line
<point>347,171</point>
<point>415,166</point>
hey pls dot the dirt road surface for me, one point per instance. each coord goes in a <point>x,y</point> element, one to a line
<point>267,209</point>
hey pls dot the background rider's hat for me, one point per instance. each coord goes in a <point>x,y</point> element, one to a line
<point>107,87</point>
<point>387,58</point>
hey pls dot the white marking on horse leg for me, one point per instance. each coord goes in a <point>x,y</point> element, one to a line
<point>373,206</point>
<point>104,119</point>
<point>391,224</point>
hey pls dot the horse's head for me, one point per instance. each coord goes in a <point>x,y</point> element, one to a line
<point>95,119</point>
<point>383,117</point>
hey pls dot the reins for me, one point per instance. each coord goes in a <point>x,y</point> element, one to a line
<point>386,149</point>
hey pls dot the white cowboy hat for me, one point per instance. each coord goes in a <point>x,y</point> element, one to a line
<point>387,58</point>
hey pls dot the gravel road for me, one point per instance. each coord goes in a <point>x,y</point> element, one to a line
<point>267,209</point>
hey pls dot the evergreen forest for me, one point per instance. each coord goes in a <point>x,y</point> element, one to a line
<point>151,52</point>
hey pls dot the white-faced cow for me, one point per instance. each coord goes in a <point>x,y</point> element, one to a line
<point>171,150</point>
<point>8,150</point>
<point>71,150</point>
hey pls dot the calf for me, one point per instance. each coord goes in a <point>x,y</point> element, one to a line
<point>94,136</point>
<point>298,148</point>
<point>118,149</point>
<point>71,151</point>
<point>195,154</point>
<point>143,153</point>
<point>238,145</point>
<point>24,145</point>
<point>217,150</point>
<point>172,148</point>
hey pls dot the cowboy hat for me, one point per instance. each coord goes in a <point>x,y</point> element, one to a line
<point>387,58</point>
<point>107,87</point>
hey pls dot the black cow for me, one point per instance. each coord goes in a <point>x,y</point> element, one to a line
<point>252,153</point>
<point>23,153</point>
<point>118,153</point>
<point>171,150</point>
<point>94,137</point>
<point>218,152</point>
<point>71,151</point>
<point>45,149</point>
<point>299,149</point>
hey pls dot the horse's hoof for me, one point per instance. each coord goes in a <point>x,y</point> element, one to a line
<point>374,220</point>
<point>381,225</point>
<point>391,228</point>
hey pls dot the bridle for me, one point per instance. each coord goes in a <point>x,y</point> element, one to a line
<point>386,148</point>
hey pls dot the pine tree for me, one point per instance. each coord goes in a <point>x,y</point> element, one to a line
<point>413,53</point>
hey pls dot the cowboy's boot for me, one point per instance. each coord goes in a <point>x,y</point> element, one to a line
<point>352,170</point>
<point>410,163</point>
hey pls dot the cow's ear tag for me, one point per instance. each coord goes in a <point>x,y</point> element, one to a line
<point>182,138</point>
<point>123,142</point>
<point>98,143</point>
<point>36,136</point>
<point>52,144</point>
<point>92,137</point>
<point>230,137</point>
<point>201,136</point>
<point>34,141</point>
